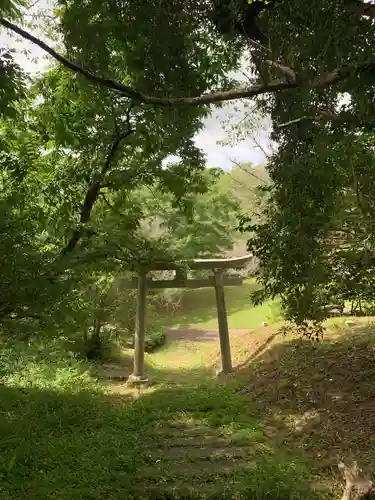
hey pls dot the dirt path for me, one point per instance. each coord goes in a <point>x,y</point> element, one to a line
<point>197,335</point>
<point>181,342</point>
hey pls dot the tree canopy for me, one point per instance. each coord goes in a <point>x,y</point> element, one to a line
<point>131,85</point>
<point>198,46</point>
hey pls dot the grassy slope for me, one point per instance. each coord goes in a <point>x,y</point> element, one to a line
<point>198,361</point>
<point>289,412</point>
<point>301,406</point>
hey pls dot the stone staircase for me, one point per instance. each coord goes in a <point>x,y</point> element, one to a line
<point>193,462</point>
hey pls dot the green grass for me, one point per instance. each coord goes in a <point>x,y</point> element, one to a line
<point>289,414</point>
<point>198,309</point>
<point>318,397</point>
<point>63,437</point>
<point>248,317</point>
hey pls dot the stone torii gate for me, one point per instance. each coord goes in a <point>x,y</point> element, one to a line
<point>217,280</point>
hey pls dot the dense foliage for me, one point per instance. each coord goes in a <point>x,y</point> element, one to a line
<point>87,195</point>
<point>87,191</point>
<point>317,244</point>
<point>83,140</point>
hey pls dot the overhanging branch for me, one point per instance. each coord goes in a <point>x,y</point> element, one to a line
<point>339,119</point>
<point>93,192</point>
<point>362,8</point>
<point>325,80</point>
<point>106,82</point>
<point>318,116</point>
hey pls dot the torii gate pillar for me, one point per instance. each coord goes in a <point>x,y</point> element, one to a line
<point>226,358</point>
<point>218,281</point>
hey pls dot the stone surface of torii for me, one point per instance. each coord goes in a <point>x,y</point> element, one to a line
<point>217,280</point>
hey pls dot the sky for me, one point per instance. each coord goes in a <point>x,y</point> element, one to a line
<point>32,59</point>
<point>223,155</point>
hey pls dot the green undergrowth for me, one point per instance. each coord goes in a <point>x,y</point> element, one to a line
<point>290,414</point>
<point>63,437</point>
<point>154,338</point>
<point>44,366</point>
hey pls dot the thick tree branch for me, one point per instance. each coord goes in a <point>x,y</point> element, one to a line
<point>340,119</point>
<point>362,8</point>
<point>325,80</point>
<point>93,192</point>
<point>124,89</point>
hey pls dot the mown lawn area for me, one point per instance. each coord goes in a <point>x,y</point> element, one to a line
<point>198,309</point>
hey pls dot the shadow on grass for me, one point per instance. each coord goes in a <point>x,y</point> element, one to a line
<point>319,399</point>
<point>92,446</point>
<point>63,437</point>
<point>196,335</point>
<point>296,408</point>
<point>57,445</point>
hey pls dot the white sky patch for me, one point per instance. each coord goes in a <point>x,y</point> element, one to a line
<point>343,101</point>
<point>219,155</point>
<point>172,159</point>
<point>215,132</point>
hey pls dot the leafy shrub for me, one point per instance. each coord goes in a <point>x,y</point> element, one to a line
<point>154,338</point>
<point>98,341</point>
<point>44,366</point>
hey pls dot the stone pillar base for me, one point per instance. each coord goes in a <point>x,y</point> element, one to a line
<point>220,373</point>
<point>138,381</point>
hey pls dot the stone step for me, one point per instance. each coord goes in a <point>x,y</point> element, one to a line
<point>165,470</point>
<point>199,441</point>
<point>209,452</point>
<point>179,428</point>
<point>215,441</point>
<point>184,491</point>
